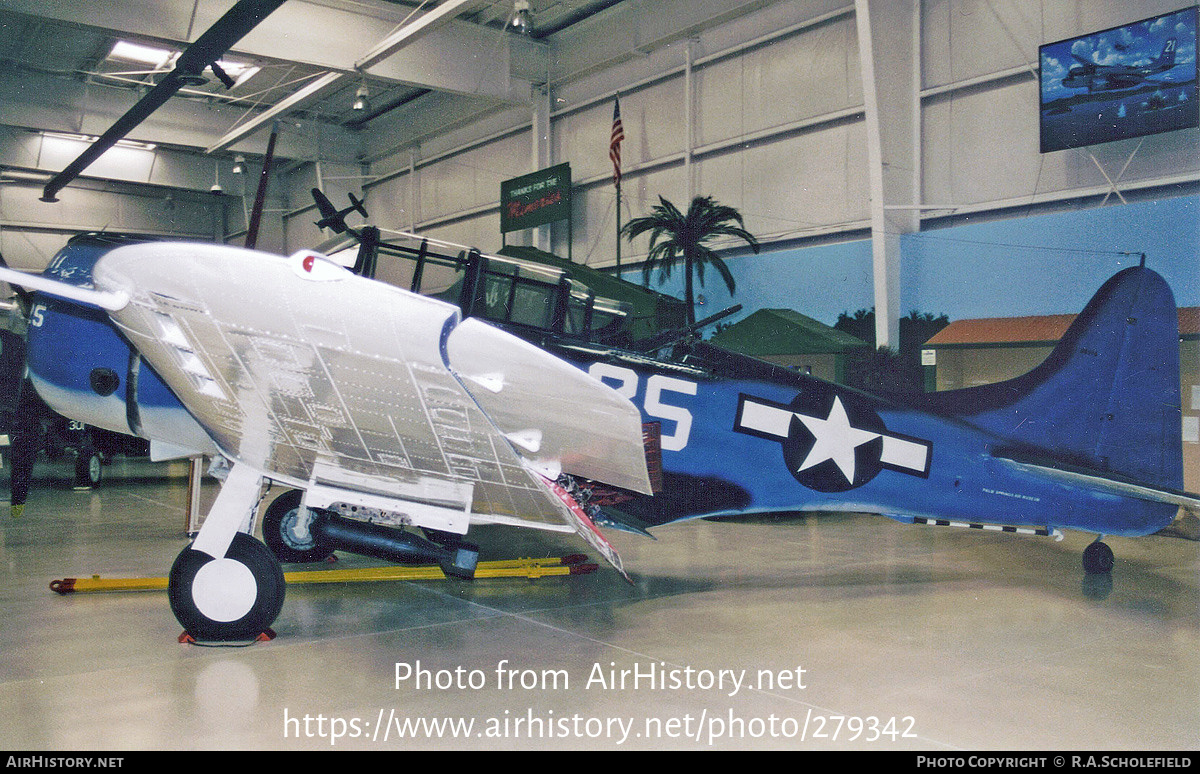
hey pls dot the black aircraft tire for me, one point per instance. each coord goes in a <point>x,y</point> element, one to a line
<point>234,598</point>
<point>1098,559</point>
<point>277,532</point>
<point>88,468</point>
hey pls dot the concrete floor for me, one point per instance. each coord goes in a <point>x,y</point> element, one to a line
<point>908,638</point>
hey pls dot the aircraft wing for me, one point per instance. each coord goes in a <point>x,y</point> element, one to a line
<point>550,409</point>
<point>363,393</point>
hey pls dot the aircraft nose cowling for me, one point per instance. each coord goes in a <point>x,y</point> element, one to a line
<point>82,366</point>
<point>71,354</point>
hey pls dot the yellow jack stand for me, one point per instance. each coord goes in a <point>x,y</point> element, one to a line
<point>574,564</point>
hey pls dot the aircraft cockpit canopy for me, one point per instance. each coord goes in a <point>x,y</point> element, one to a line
<point>509,290</point>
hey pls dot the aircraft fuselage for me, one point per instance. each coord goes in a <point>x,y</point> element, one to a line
<point>734,445</point>
<point>736,436</point>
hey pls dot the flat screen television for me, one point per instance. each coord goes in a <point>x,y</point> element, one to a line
<point>1123,82</point>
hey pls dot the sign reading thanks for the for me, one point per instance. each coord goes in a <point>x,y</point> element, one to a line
<point>535,199</point>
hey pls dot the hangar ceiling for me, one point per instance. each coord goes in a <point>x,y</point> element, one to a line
<point>333,68</point>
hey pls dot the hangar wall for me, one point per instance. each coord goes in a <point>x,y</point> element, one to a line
<point>766,114</point>
<point>979,108</point>
<point>772,104</point>
<point>150,191</point>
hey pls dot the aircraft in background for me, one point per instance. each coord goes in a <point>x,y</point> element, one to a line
<point>1102,78</point>
<point>331,217</point>
<point>519,398</point>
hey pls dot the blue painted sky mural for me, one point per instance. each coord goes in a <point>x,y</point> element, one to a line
<point>1042,264</point>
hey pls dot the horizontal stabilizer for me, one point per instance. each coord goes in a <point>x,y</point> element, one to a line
<point>1108,483</point>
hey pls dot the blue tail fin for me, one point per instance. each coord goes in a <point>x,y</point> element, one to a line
<point>1108,396</point>
<point>1166,60</point>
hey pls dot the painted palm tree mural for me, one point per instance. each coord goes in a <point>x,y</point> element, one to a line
<point>675,236</point>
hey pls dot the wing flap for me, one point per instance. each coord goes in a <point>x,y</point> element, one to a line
<point>586,528</point>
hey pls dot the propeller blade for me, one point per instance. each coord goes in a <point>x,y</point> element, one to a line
<point>216,40</point>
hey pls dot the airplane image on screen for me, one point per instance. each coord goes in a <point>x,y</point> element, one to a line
<point>399,421</point>
<point>1101,78</point>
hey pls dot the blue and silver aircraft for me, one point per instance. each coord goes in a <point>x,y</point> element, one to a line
<point>518,396</point>
<point>1086,74</point>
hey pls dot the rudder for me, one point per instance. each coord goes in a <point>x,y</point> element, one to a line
<point>1108,396</point>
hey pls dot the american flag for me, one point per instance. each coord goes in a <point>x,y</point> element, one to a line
<point>614,142</point>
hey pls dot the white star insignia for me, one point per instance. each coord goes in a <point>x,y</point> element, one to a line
<point>834,439</point>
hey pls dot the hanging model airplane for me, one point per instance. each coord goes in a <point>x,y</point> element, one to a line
<point>387,411</point>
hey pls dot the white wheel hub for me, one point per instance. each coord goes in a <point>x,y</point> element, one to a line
<point>224,590</point>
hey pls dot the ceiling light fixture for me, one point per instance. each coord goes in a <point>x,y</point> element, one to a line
<point>361,101</point>
<point>239,164</point>
<point>158,58</point>
<point>521,21</point>
<point>91,138</point>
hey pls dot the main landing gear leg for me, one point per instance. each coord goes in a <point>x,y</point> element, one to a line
<point>1098,557</point>
<point>227,586</point>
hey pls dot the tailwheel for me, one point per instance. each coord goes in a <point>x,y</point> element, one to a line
<point>285,529</point>
<point>1098,558</point>
<point>233,598</point>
